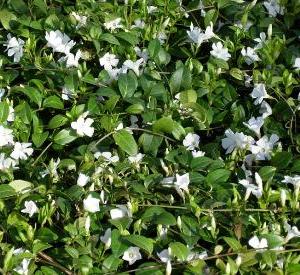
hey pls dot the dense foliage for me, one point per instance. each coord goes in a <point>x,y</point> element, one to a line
<point>151,137</point>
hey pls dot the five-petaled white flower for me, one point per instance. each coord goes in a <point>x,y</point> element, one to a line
<point>113,24</point>
<point>6,136</point>
<point>191,141</point>
<point>22,268</point>
<point>295,181</point>
<point>197,36</point>
<point>91,204</point>
<point>132,254</point>
<point>82,179</point>
<point>254,124</point>
<point>236,140</point>
<point>14,47</point>
<point>165,255</point>
<point>292,232</point>
<point>197,154</point>
<point>273,7</point>
<point>297,63</point>
<point>182,183</point>
<point>220,52</point>
<point>256,190</point>
<point>106,238</point>
<point>136,159</point>
<point>132,65</point>
<point>59,42</point>
<point>83,126</point>
<point>138,23</point>
<point>72,60</point>
<point>120,212</point>
<point>30,208</point>
<point>21,151</point>
<point>109,61</point>
<point>264,147</point>
<point>250,55</point>
<point>258,244</point>
<point>259,93</point>
<point>265,109</point>
<point>260,40</point>
<point>6,163</point>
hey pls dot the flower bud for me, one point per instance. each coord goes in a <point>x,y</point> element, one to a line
<point>282,197</point>
<point>269,31</point>
<point>179,222</point>
<point>169,268</point>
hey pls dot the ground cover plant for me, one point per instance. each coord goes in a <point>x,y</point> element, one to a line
<point>149,137</point>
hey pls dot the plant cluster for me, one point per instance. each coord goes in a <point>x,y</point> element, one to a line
<point>149,137</point>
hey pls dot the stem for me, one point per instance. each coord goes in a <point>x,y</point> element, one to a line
<point>48,260</point>
<point>104,137</point>
<point>152,133</point>
<point>41,154</point>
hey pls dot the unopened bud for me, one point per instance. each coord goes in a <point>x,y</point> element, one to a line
<point>169,268</point>
<point>283,197</point>
<point>269,31</point>
<point>179,222</point>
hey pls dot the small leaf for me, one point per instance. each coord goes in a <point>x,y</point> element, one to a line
<point>233,243</point>
<point>109,38</point>
<point>64,137</point>
<point>218,176</point>
<point>53,102</point>
<point>154,47</point>
<point>179,250</point>
<point>4,111</point>
<point>57,121</point>
<point>21,185</point>
<point>282,160</point>
<point>237,74</point>
<point>6,191</point>
<point>181,78</point>
<point>127,85</point>
<point>126,142</point>
<point>141,242</point>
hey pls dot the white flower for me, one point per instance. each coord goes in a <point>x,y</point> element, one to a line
<point>138,23</point>
<point>197,154</point>
<point>83,126</point>
<point>59,42</point>
<point>113,24</point>
<point>136,159</point>
<point>120,212</point>
<point>254,124</point>
<point>113,73</point>
<point>6,136</point>
<point>182,182</point>
<point>22,268</point>
<point>107,156</point>
<point>220,52</point>
<point>91,204</point>
<point>259,93</point>
<point>132,254</point>
<point>258,244</point>
<point>265,109</point>
<point>165,255</point>
<point>6,163</point>
<point>151,9</point>
<point>250,55</point>
<point>11,114</point>
<point>197,36</point>
<point>142,53</point>
<point>293,232</point>
<point>132,65</point>
<point>82,179</point>
<point>191,141</point>
<point>106,238</point>
<point>256,190</point>
<point>30,208</point>
<point>295,180</point>
<point>66,93</point>
<point>236,140</point>
<point>14,47</point>
<point>297,63</point>
<point>244,27</point>
<point>72,60</point>
<point>2,92</point>
<point>21,151</point>
<point>133,121</point>
<point>248,80</point>
<point>168,268</point>
<point>51,169</point>
<point>264,146</point>
<point>273,7</point>
<point>260,40</point>
<point>108,61</point>
<point>162,37</point>
<point>81,19</point>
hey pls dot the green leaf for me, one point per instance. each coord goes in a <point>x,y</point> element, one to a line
<point>181,78</point>
<point>64,137</point>
<point>140,241</point>
<point>21,185</point>
<point>150,143</point>
<point>46,235</point>
<point>39,246</point>
<point>127,84</point>
<point>41,4</point>
<point>53,102</point>
<point>128,37</point>
<point>5,18</point>
<point>179,250</point>
<point>282,160</point>
<point>39,138</point>
<point>73,252</point>
<point>237,74</point>
<point>109,38</point>
<point>218,176</point>
<point>19,6</point>
<point>118,247</point>
<point>57,121</point>
<point>267,172</point>
<point>158,215</point>
<point>200,163</point>
<point>164,124</point>
<point>154,47</point>
<point>135,109</point>
<point>111,263</point>
<point>126,142</point>
<point>188,96</point>
<point>6,191</point>
<point>4,111</point>
<point>33,94</point>
<point>233,243</point>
